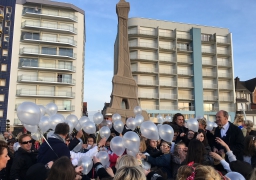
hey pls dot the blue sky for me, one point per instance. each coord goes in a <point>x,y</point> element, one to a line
<point>101,27</point>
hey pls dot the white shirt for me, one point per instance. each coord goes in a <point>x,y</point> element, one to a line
<point>224,129</point>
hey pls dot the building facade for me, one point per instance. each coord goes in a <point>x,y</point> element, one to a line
<point>45,56</point>
<point>183,68</point>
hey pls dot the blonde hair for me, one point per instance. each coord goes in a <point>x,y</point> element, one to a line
<point>202,121</point>
<point>143,146</point>
<point>249,125</point>
<point>253,174</point>
<point>239,118</point>
<point>127,161</point>
<point>201,172</point>
<point>130,173</point>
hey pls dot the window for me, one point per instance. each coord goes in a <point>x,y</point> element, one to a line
<point>29,35</point>
<point>2,82</point>
<point>48,50</point>
<point>28,62</point>
<point>125,104</point>
<point>7,23</point>
<point>1,113</point>
<point>6,38</point>
<point>32,10</point>
<point>1,97</point>
<point>8,9</point>
<point>66,52</point>
<point>3,67</point>
<point>5,52</point>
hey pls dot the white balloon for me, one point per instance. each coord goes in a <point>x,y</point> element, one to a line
<point>149,130</point>
<point>117,145</point>
<point>160,119</point>
<point>44,124</point>
<point>131,123</point>
<point>89,127</point>
<point>97,118</point>
<point>71,127</point>
<point>131,141</point>
<point>79,146</point>
<point>168,118</point>
<point>210,125</point>
<point>29,113</point>
<point>103,157</point>
<point>78,127</point>
<point>119,126</point>
<point>192,124</point>
<point>72,118</point>
<point>116,117</point>
<point>86,163</point>
<point>36,136</point>
<point>31,128</point>
<point>16,146</point>
<point>51,109</point>
<point>131,152</point>
<point>56,119</point>
<point>137,110</point>
<point>104,132</point>
<point>139,119</point>
<point>42,110</point>
<point>166,133</point>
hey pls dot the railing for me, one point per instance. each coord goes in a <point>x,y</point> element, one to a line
<point>50,13</point>
<point>225,86</point>
<point>143,32</point>
<point>17,122</point>
<point>214,86</point>
<point>183,36</point>
<point>224,63</point>
<point>184,60</point>
<point>210,98</point>
<point>148,95</point>
<point>168,96</point>
<point>226,98</point>
<point>168,59</point>
<point>207,62</point>
<point>184,49</point>
<point>225,75</point>
<point>142,56</point>
<point>46,79</point>
<point>142,44</point>
<point>211,109</point>
<point>48,66</point>
<point>167,71</point>
<point>165,34</point>
<point>186,84</point>
<point>206,73</point>
<point>29,92</point>
<point>145,69</point>
<point>65,108</point>
<point>186,108</point>
<point>62,53</point>
<point>222,40</point>
<point>225,52</point>
<point>159,107</point>
<point>167,46</point>
<point>147,82</point>
<point>167,83</point>
<point>46,25</point>
<point>228,109</point>
<point>206,50</point>
<point>188,96</point>
<point>185,72</point>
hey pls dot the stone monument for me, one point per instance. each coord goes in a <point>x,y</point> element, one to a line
<point>124,96</point>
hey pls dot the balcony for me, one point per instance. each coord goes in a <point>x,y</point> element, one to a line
<point>184,36</point>
<point>143,57</point>
<point>211,109</point>
<point>225,75</point>
<point>186,108</point>
<point>49,26</point>
<point>223,41</point>
<point>46,93</point>
<point>157,107</point>
<point>166,47</point>
<point>185,72</point>
<point>210,98</point>
<point>209,74</point>
<point>224,53</point>
<point>224,63</point>
<point>209,86</point>
<point>45,80</point>
<point>167,83</point>
<point>147,82</point>
<point>50,40</point>
<point>208,51</point>
<point>1,14</point>
<point>186,96</point>
<point>166,35</point>
<point>63,108</point>
<point>168,96</point>
<point>184,60</point>
<point>148,95</point>
<point>207,62</point>
<point>185,50</point>
<point>170,107</point>
<point>143,45</point>
<point>47,67</point>
<point>144,70</point>
<point>226,98</point>
<point>57,15</point>
<point>185,85</point>
<point>47,53</point>
<point>17,122</point>
<point>225,87</point>
<point>167,59</point>
<point>167,71</point>
<point>145,33</point>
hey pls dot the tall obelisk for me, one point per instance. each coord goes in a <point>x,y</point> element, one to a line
<point>124,95</point>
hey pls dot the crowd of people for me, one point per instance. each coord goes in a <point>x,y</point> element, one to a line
<point>226,152</point>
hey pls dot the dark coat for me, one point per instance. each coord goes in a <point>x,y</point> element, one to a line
<point>234,139</point>
<point>22,161</point>
<point>153,152</point>
<point>182,129</point>
<point>73,143</point>
<point>46,154</point>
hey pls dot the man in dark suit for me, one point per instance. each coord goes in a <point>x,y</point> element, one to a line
<point>230,134</point>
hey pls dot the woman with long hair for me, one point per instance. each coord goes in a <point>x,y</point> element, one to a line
<point>250,150</point>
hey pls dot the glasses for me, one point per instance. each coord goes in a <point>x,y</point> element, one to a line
<point>26,142</point>
<point>165,145</point>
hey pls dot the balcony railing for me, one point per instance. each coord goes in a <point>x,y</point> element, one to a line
<point>142,44</point>
<point>225,75</point>
<point>142,56</point>
<point>186,108</point>
<point>166,46</point>
<point>206,50</point>
<point>186,84</point>
<point>210,98</point>
<point>48,39</point>
<point>49,26</point>
<point>147,82</point>
<point>17,122</point>
<point>48,66</point>
<point>148,95</point>
<point>65,108</point>
<point>207,73</point>
<point>168,96</point>
<point>209,86</point>
<point>167,71</point>
<point>222,40</point>
<point>183,36</point>
<point>45,12</point>
<point>167,59</point>
<point>207,62</point>
<point>142,32</point>
<point>37,51</point>
<point>224,52</point>
<point>184,60</point>
<point>185,49</point>
<point>46,93</point>
<point>185,72</point>
<point>224,63</point>
<point>166,34</point>
<point>145,69</point>
<point>211,109</point>
<point>159,107</point>
<point>225,86</point>
<point>226,98</point>
<point>27,78</point>
<point>167,83</point>
<point>186,97</point>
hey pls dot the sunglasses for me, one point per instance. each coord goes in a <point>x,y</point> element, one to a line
<point>26,142</point>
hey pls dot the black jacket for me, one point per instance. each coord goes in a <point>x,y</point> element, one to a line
<point>153,152</point>
<point>182,129</point>
<point>234,139</point>
<point>22,161</point>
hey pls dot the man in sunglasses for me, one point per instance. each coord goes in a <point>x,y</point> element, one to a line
<point>24,158</point>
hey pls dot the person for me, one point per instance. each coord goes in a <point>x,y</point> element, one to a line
<point>24,158</point>
<point>57,147</point>
<point>152,148</point>
<point>6,136</point>
<point>199,172</point>
<point>209,135</point>
<point>230,133</point>
<point>130,173</point>
<point>249,154</point>
<point>62,169</point>
<point>249,127</point>
<point>239,122</point>
<point>4,158</point>
<point>188,137</point>
<point>178,157</point>
<point>179,120</point>
<point>91,141</point>
<point>253,174</point>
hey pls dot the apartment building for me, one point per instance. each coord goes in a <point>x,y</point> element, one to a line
<point>183,68</point>
<point>42,56</point>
